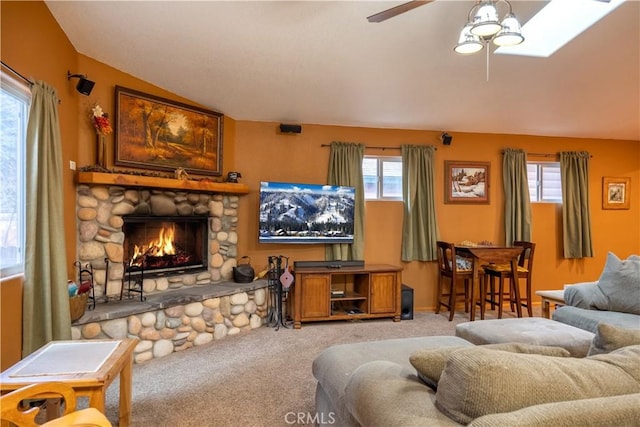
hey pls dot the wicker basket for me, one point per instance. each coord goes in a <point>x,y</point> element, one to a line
<point>77,305</point>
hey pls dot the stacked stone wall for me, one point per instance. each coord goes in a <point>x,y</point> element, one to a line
<point>180,327</point>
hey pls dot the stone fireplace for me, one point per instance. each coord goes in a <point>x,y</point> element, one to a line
<point>190,298</point>
<point>114,219</point>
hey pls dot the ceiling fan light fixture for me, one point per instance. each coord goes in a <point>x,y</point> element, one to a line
<point>468,43</point>
<point>485,21</point>
<point>510,34</point>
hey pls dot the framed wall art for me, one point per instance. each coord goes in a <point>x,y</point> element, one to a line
<point>466,182</point>
<point>615,192</point>
<point>160,134</point>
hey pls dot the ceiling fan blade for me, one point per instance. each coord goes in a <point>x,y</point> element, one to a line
<point>395,11</point>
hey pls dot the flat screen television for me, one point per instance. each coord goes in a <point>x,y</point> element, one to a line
<point>306,213</point>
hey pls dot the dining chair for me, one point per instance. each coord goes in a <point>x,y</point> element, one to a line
<point>454,268</point>
<point>15,409</point>
<point>502,272</point>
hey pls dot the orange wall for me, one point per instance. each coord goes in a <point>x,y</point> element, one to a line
<point>263,154</point>
<point>33,43</point>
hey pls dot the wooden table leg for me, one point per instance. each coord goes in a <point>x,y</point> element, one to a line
<point>546,312</point>
<point>516,285</point>
<point>474,284</point>
<point>126,384</point>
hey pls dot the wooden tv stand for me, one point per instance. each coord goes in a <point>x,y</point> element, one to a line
<point>346,293</point>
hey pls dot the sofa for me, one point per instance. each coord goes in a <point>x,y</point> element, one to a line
<point>614,298</point>
<point>448,381</point>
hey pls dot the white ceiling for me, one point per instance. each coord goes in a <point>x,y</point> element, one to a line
<point>321,62</point>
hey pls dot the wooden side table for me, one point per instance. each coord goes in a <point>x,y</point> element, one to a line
<point>548,297</point>
<point>89,367</point>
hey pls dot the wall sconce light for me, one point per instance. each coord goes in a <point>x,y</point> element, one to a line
<point>84,85</point>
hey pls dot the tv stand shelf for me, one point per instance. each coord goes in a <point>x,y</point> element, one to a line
<point>323,293</point>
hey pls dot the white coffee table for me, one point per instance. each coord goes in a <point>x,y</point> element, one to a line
<point>548,297</point>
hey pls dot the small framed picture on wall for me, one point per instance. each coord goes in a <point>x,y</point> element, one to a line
<point>615,192</point>
<point>466,182</point>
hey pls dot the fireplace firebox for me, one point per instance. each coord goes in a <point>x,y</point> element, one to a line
<point>163,245</point>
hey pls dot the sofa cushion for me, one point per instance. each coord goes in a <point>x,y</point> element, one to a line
<point>589,319</point>
<point>529,330</point>
<point>619,285</point>
<point>610,337</point>
<point>430,362</point>
<point>334,365</point>
<point>478,381</point>
<point>380,394</point>
<point>618,411</point>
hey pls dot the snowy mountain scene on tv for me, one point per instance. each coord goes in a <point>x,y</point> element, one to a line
<point>306,213</point>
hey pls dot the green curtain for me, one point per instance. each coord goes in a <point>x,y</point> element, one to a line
<point>420,224</point>
<point>45,301</point>
<point>576,217</point>
<point>517,205</point>
<point>345,168</point>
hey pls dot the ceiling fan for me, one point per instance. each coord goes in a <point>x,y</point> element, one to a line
<point>397,10</point>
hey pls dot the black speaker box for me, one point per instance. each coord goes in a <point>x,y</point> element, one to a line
<point>446,139</point>
<point>290,128</point>
<point>406,304</point>
<point>85,86</point>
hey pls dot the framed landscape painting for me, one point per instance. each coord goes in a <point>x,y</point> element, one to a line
<point>615,192</point>
<point>466,182</point>
<point>160,134</point>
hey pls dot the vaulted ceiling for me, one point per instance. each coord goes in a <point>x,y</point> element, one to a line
<point>321,62</point>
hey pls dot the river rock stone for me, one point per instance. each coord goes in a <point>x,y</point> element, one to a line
<point>193,309</point>
<point>87,230</point>
<point>219,331</point>
<point>122,208</point>
<point>203,338</point>
<point>162,348</point>
<point>255,321</point>
<point>100,192</point>
<point>148,319</point>
<point>241,320</point>
<point>115,329</point>
<point>260,296</point>
<point>134,325</point>
<point>239,298</point>
<point>87,202</point>
<point>143,345</point>
<point>88,251</point>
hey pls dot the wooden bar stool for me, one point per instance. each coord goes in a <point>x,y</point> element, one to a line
<point>453,268</point>
<point>502,272</point>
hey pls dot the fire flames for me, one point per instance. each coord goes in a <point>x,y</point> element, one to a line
<point>161,247</point>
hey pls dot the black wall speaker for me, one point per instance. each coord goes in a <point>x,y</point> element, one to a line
<point>290,128</point>
<point>406,304</point>
<point>85,86</point>
<point>446,139</point>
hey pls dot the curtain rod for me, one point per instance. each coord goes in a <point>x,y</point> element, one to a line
<point>548,154</point>
<point>374,147</point>
<point>27,81</point>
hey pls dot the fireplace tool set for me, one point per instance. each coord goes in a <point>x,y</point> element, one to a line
<point>280,281</point>
<point>85,282</point>
<point>132,281</point>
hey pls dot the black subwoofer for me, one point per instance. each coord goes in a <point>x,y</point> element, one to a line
<point>406,304</point>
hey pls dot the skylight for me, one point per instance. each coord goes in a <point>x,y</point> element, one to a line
<point>557,24</point>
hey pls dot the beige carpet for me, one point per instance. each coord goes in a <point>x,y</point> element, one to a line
<point>254,379</point>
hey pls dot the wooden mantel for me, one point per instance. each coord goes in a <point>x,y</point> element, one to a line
<point>125,180</point>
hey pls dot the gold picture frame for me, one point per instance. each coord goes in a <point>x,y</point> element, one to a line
<point>616,192</point>
<point>157,133</point>
<point>466,182</point>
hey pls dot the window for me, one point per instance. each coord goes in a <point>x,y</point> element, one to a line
<point>382,178</point>
<point>544,182</point>
<point>14,109</point>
